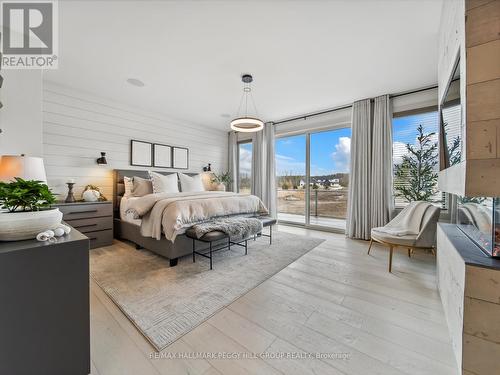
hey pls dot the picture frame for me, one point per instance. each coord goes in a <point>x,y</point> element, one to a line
<point>162,155</point>
<point>180,157</point>
<point>141,153</point>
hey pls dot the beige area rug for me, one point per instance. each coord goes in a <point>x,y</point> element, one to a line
<point>165,303</point>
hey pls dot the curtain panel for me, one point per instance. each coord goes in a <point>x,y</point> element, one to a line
<point>382,202</point>
<point>264,168</point>
<point>370,187</point>
<point>358,213</point>
<point>233,160</point>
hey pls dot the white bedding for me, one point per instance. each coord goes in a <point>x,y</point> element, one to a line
<point>124,206</point>
<point>171,214</point>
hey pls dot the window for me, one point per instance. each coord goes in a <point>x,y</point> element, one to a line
<point>313,189</point>
<point>416,157</point>
<point>291,178</point>
<point>245,167</point>
<point>329,182</point>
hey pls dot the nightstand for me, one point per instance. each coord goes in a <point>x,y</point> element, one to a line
<point>94,219</point>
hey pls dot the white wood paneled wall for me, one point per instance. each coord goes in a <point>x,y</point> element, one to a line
<point>78,126</point>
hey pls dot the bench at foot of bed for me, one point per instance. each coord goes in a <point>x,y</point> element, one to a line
<point>218,236</point>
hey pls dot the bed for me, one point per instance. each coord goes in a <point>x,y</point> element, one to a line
<point>138,229</point>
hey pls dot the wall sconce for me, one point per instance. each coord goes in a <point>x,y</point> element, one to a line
<point>102,160</point>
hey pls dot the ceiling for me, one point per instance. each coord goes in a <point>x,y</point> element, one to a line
<point>304,55</point>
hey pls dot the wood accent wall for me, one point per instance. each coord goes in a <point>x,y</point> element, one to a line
<point>471,301</point>
<point>482,43</point>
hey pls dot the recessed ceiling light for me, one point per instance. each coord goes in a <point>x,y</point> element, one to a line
<point>225,115</point>
<point>135,82</point>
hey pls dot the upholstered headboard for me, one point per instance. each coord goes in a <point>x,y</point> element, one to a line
<point>119,186</point>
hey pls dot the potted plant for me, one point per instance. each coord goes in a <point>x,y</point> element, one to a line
<point>26,209</point>
<point>221,180</point>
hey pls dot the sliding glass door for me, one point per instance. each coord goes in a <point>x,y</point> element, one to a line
<point>313,178</point>
<point>330,153</point>
<point>291,179</point>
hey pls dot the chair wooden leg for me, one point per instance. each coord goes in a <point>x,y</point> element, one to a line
<point>370,247</point>
<point>433,251</point>
<point>391,249</point>
<point>409,252</point>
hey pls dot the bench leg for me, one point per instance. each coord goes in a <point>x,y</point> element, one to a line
<point>194,247</point>
<point>270,235</point>
<point>210,254</point>
<point>229,243</point>
<point>173,262</point>
<point>246,247</point>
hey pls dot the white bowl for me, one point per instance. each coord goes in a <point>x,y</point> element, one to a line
<point>15,226</point>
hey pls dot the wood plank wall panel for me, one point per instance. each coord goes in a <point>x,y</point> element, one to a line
<point>78,126</point>
<point>483,62</point>
<point>482,35</point>
<point>482,24</point>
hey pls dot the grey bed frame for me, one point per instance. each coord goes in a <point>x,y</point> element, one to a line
<point>127,231</point>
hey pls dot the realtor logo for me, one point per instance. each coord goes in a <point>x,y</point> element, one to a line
<point>29,35</point>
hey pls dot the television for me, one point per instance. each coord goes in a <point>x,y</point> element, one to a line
<point>450,129</point>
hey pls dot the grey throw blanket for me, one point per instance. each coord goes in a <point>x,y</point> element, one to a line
<point>236,227</point>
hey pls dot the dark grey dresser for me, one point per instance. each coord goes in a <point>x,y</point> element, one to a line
<point>44,308</point>
<point>94,219</point>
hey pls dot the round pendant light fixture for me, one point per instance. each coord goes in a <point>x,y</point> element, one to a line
<point>246,123</point>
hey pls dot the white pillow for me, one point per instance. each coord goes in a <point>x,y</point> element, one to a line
<point>191,184</point>
<point>164,184</point>
<point>129,185</point>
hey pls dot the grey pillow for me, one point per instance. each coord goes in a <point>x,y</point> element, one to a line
<point>141,187</point>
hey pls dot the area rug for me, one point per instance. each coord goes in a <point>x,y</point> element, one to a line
<point>165,303</point>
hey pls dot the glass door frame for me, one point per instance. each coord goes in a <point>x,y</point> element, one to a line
<point>307,223</point>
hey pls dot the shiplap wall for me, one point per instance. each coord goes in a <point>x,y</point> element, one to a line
<point>78,126</point>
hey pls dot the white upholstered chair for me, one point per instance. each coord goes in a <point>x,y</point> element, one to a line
<point>413,228</point>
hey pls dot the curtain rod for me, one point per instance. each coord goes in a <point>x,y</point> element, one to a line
<point>305,116</point>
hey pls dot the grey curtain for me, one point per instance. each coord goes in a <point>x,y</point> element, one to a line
<point>264,168</point>
<point>370,186</point>
<point>233,160</point>
<point>358,213</point>
<point>382,202</point>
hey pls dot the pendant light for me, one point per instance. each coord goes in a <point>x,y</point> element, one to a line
<point>246,123</point>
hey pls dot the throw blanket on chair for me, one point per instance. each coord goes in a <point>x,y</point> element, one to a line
<point>236,228</point>
<point>408,221</point>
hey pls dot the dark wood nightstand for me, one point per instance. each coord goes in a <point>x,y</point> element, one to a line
<point>94,219</point>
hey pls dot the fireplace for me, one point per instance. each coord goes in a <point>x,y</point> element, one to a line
<point>479,219</point>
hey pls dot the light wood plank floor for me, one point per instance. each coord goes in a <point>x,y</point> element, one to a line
<point>336,303</point>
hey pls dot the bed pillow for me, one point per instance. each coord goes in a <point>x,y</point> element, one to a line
<point>128,183</point>
<point>141,187</point>
<point>164,184</point>
<point>191,184</point>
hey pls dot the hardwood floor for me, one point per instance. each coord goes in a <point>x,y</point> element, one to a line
<point>336,303</point>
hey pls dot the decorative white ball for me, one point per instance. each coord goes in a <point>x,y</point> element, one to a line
<point>58,232</point>
<point>50,233</point>
<point>91,195</point>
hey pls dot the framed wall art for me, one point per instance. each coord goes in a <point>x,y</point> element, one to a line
<point>180,158</point>
<point>162,156</point>
<point>141,153</point>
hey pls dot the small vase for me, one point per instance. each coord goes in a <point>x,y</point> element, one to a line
<point>221,187</point>
<point>70,198</point>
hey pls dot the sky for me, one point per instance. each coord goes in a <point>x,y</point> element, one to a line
<point>330,153</point>
<point>330,150</point>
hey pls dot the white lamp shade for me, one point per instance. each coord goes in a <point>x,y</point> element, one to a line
<point>26,167</point>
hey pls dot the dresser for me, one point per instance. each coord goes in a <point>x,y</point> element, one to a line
<point>94,219</point>
<point>44,314</point>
